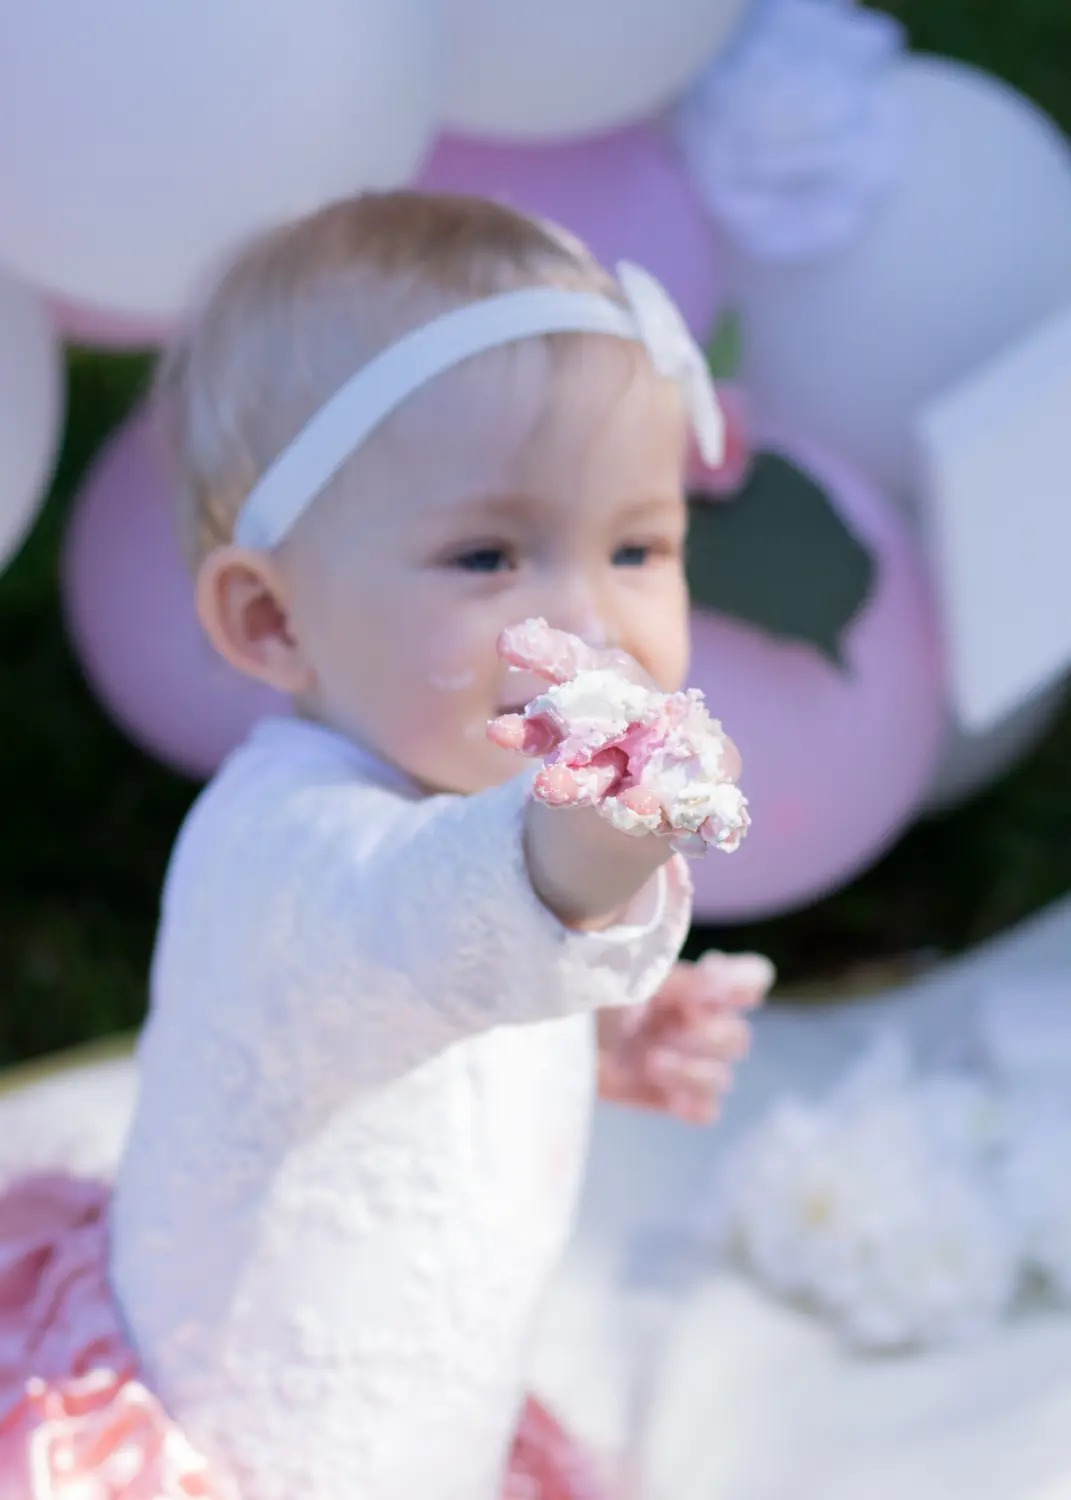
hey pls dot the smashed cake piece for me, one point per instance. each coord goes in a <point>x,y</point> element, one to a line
<point>648,761</point>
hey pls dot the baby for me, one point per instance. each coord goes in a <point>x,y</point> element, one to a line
<point>387,975</point>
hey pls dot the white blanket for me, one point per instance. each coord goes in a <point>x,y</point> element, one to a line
<point>719,1392</point>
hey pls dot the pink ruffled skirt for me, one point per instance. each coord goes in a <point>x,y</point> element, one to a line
<point>77,1422</point>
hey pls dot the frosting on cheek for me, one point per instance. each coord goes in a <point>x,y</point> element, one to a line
<point>452,682</point>
<point>448,681</point>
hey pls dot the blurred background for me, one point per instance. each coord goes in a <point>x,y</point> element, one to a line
<point>922,840</point>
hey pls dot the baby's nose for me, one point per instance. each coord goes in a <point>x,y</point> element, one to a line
<point>579,614</point>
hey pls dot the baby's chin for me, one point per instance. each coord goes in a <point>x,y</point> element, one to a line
<point>493,767</point>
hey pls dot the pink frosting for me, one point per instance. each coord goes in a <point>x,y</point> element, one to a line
<point>77,1421</point>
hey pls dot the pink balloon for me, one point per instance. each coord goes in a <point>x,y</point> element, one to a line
<point>626,195</point>
<point>128,601</point>
<point>100,328</point>
<point>837,763</point>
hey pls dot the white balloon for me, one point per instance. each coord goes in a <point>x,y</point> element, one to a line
<point>140,141</point>
<point>546,69</point>
<point>31,409</point>
<point>969,249</point>
<point>972,762</point>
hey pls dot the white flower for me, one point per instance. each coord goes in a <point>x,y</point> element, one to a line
<point>967,1117</point>
<point>1036,1180</point>
<point>793,134</point>
<point>877,1209</point>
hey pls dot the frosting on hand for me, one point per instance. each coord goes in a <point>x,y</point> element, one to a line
<point>648,761</point>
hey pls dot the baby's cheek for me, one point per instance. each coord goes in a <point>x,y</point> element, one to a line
<point>458,649</point>
<point>441,732</point>
<point>676,647</point>
<point>658,634</point>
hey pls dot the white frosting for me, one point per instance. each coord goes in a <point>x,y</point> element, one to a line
<point>690,783</point>
<point>593,708</point>
<point>682,766</point>
<point>627,820</point>
<point>452,682</point>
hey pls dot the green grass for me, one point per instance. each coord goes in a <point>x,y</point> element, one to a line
<point>87,821</point>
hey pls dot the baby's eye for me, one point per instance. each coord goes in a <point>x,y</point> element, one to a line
<point>483,560</point>
<point>658,549</point>
<point>635,555</point>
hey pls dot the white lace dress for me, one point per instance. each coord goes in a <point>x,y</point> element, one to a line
<point>365,1089</point>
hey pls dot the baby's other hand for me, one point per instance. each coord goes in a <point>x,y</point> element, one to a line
<point>678,1054</point>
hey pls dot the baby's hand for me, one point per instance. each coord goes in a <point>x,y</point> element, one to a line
<point>678,1054</point>
<point>647,761</point>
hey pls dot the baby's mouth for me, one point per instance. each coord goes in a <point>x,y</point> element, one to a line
<point>523,688</point>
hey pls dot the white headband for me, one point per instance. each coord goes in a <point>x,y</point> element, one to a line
<point>289,486</point>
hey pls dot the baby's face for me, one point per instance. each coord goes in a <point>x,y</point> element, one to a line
<point>503,503</point>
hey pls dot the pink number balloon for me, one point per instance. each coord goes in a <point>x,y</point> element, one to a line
<point>836,763</point>
<point>128,601</point>
<point>626,195</point>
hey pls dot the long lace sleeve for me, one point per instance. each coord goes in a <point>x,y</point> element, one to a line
<point>390,928</point>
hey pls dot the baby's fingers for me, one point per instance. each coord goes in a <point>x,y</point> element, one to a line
<point>732,761</point>
<point>713,1033</point>
<point>739,980</point>
<point>534,647</point>
<point>573,786</point>
<point>690,1087</point>
<point>533,737</point>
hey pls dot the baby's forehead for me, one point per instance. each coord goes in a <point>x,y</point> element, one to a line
<point>506,406</point>
<point>498,427</point>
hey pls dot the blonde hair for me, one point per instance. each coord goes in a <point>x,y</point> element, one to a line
<point>308,304</point>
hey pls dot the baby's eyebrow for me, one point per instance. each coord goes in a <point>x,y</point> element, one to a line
<point>483,507</point>
<point>651,505</point>
<point>528,508</point>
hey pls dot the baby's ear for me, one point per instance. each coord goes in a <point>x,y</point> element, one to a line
<point>243,605</point>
